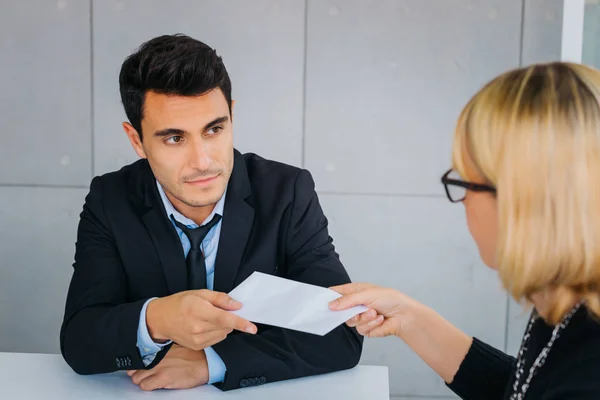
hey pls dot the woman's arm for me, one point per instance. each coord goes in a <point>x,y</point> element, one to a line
<point>471,368</point>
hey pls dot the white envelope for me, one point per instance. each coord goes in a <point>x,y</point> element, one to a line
<point>270,300</point>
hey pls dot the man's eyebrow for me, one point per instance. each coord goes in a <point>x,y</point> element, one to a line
<point>169,131</point>
<point>176,131</point>
<point>215,121</point>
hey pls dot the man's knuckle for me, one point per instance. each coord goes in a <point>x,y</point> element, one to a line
<point>198,328</point>
<point>201,305</point>
<point>187,306</point>
<point>223,319</point>
<point>222,297</point>
<point>195,340</point>
<point>204,294</point>
<point>240,323</point>
<point>193,345</point>
<point>198,342</point>
<point>137,379</point>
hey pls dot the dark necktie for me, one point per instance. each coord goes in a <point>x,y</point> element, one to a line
<point>196,267</point>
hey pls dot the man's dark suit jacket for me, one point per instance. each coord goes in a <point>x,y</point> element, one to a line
<point>127,251</point>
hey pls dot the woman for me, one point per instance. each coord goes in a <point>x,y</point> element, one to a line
<point>526,166</point>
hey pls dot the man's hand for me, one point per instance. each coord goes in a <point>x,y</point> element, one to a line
<point>195,319</point>
<point>180,369</point>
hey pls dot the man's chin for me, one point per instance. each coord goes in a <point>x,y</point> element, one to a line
<point>202,198</point>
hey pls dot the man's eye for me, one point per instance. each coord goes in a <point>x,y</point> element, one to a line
<point>174,139</point>
<point>214,130</point>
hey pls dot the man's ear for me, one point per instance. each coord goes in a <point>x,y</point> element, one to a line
<point>135,139</point>
<point>232,104</point>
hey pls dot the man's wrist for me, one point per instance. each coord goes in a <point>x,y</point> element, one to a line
<point>153,321</point>
<point>203,369</point>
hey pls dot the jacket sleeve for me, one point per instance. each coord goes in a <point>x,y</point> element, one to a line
<point>99,329</point>
<point>275,354</point>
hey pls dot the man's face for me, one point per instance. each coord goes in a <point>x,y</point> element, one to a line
<point>188,142</point>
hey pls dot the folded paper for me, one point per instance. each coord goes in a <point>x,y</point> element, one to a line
<point>284,303</point>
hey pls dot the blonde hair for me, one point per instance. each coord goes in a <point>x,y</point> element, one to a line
<point>534,134</point>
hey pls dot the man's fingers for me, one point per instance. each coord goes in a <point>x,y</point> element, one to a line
<point>220,316</point>
<point>156,381</point>
<point>141,374</point>
<point>220,300</point>
<point>227,320</point>
<point>131,372</point>
<point>216,319</point>
<point>210,338</point>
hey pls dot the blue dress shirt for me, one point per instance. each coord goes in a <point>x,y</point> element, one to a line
<point>148,348</point>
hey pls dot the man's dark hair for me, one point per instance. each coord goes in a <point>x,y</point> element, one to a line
<point>170,64</point>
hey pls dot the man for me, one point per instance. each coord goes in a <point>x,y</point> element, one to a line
<point>162,240</point>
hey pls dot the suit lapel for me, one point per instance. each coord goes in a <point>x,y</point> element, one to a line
<point>164,236</point>
<point>238,217</point>
<point>168,248</point>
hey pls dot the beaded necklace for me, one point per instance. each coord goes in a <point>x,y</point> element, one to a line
<point>519,393</point>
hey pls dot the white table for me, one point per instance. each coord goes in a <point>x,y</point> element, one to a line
<point>47,376</point>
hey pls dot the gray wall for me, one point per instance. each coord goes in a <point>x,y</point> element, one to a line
<point>591,33</point>
<point>364,94</point>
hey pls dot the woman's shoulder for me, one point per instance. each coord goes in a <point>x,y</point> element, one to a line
<point>575,366</point>
<point>578,380</point>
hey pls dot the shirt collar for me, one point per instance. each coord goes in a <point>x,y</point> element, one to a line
<point>179,217</point>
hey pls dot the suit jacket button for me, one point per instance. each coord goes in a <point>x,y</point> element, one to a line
<point>244,383</point>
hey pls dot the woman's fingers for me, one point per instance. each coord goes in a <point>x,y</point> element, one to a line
<point>366,328</point>
<point>381,331</point>
<point>362,297</point>
<point>351,288</point>
<point>363,318</point>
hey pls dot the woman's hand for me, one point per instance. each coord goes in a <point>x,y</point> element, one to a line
<point>388,312</point>
<point>440,344</point>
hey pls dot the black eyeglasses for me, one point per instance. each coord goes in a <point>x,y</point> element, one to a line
<point>456,188</point>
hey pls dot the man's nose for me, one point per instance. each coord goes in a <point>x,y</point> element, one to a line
<point>199,158</point>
